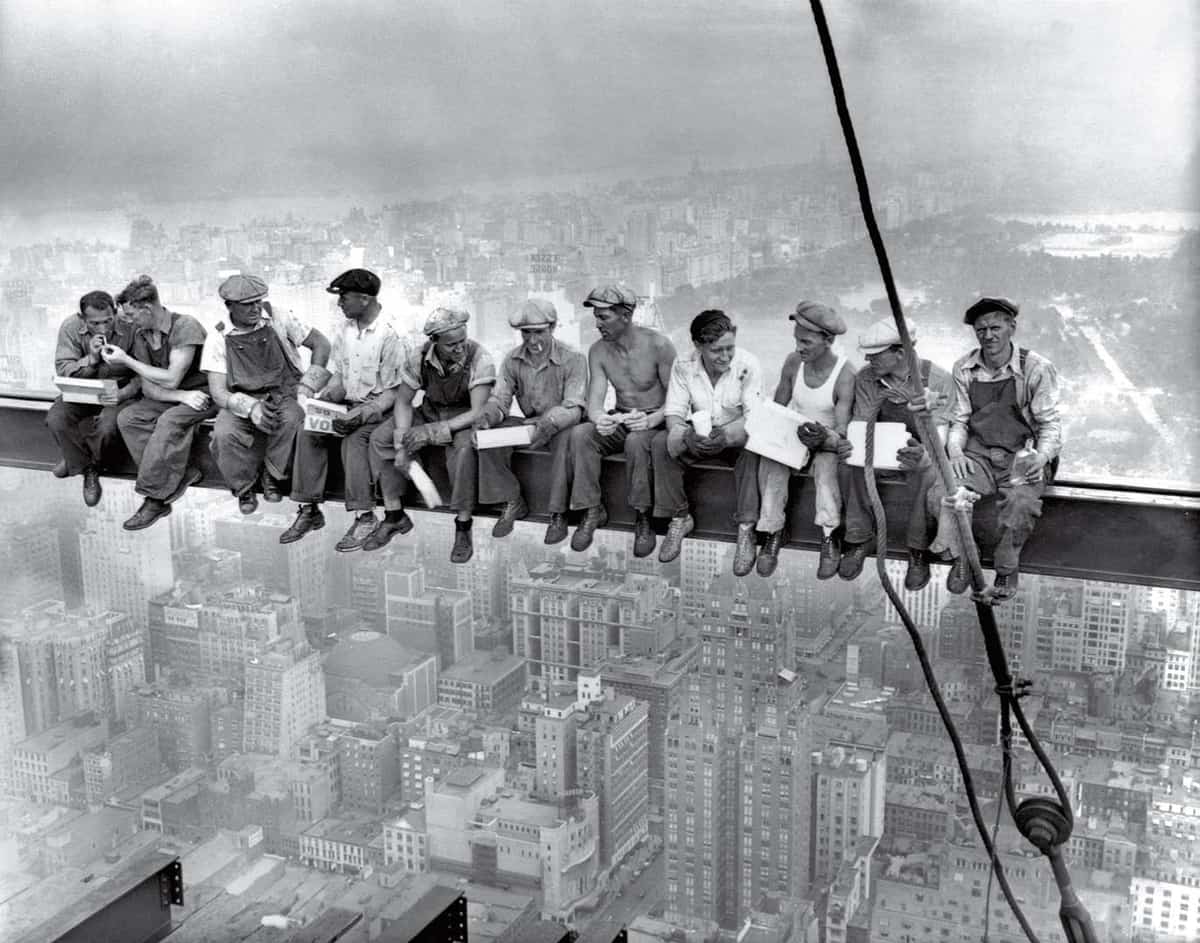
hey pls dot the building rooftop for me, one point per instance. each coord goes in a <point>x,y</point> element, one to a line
<point>523,811</point>
<point>482,667</point>
<point>345,830</point>
<point>371,657</point>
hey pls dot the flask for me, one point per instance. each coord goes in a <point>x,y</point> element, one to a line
<point>1023,463</point>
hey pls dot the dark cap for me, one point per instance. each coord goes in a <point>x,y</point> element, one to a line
<point>987,306</point>
<point>357,280</point>
<point>815,316</point>
<point>609,296</point>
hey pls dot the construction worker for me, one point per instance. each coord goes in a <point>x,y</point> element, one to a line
<point>365,362</point>
<point>818,383</point>
<point>881,389</point>
<point>723,382</point>
<point>637,362</point>
<point>548,379</point>
<point>255,374</point>
<point>456,375</point>
<point>160,426</point>
<point>86,433</point>
<point>1004,439</point>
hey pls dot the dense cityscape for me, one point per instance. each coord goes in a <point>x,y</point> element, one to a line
<point>594,739</point>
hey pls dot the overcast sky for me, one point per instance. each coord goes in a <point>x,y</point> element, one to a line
<point>172,99</point>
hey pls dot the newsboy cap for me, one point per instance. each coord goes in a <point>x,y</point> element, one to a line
<point>818,317</point>
<point>442,320</point>
<point>987,306</point>
<point>883,334</point>
<point>356,280</point>
<point>609,296</point>
<point>535,312</point>
<point>242,288</point>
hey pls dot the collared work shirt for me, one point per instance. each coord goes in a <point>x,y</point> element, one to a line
<point>291,330</point>
<point>153,345</point>
<point>870,390</point>
<point>71,350</point>
<point>483,368</point>
<point>1037,396</point>
<point>368,361</point>
<point>736,392</point>
<point>552,388</point>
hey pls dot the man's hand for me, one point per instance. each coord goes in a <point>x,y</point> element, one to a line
<point>607,425</point>
<point>844,449</point>
<point>194,399</point>
<point>482,421</point>
<point>344,425</point>
<point>712,444</point>
<point>928,402</point>
<point>812,434</point>
<point>113,354</point>
<point>96,344</point>
<point>401,460</point>
<point>1037,462</point>
<point>109,397</point>
<point>679,440</point>
<point>911,455</point>
<point>543,431</point>
<point>960,465</point>
<point>415,438</point>
<point>636,421</point>
<point>264,417</point>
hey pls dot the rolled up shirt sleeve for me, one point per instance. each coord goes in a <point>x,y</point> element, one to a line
<point>960,409</point>
<point>483,370</point>
<point>410,369</point>
<point>574,403</point>
<point>679,393</point>
<point>942,382</point>
<point>500,402</point>
<point>1044,406</point>
<point>70,357</point>
<point>393,355</point>
<point>212,355</point>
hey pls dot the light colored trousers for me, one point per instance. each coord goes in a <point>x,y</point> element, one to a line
<point>773,479</point>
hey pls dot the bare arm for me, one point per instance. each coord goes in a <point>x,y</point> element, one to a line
<point>843,399</point>
<point>319,344</point>
<point>597,385</point>
<point>665,355</point>
<point>218,388</point>
<point>787,380</point>
<point>170,376</point>
<point>403,412</point>
<point>479,398</point>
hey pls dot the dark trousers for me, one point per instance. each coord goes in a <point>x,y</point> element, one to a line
<point>240,448</point>
<point>1017,506</point>
<point>310,467</point>
<point>498,485</point>
<point>84,433</point>
<point>670,497</point>
<point>159,436</point>
<point>588,449</point>
<point>860,518</point>
<point>462,467</point>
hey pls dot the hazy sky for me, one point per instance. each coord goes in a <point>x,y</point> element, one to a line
<point>166,99</point>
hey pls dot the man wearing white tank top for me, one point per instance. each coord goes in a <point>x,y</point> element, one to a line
<point>819,383</point>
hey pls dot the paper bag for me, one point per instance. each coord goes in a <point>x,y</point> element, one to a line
<point>86,392</point>
<point>771,431</point>
<point>503,437</point>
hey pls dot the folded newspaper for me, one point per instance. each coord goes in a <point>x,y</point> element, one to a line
<point>319,416</point>
<point>771,431</point>
<point>86,392</point>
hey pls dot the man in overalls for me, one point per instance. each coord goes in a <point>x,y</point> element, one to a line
<point>254,376</point>
<point>159,427</point>
<point>548,379</point>
<point>881,390</point>
<point>456,375</point>
<point>1006,398</point>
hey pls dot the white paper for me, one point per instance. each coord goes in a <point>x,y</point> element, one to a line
<point>425,485</point>
<point>503,437</point>
<point>771,431</point>
<point>84,391</point>
<point>319,416</point>
<point>702,423</point>
<point>890,437</point>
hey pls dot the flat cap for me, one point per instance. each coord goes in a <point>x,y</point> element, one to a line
<point>242,288</point>
<point>987,306</point>
<point>445,319</point>
<point>357,280</point>
<point>535,312</point>
<point>818,317</point>
<point>883,334</point>
<point>609,296</point>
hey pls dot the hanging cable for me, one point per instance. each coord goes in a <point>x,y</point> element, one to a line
<point>1046,823</point>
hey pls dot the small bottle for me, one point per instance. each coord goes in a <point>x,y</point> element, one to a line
<point>1023,463</point>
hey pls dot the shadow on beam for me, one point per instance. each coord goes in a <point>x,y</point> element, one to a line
<point>1086,532</point>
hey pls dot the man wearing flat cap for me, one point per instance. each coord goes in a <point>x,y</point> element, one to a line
<point>364,366</point>
<point>456,375</point>
<point>818,383</point>
<point>882,390</point>
<point>714,388</point>
<point>637,362</point>
<point>1004,439</point>
<point>255,376</point>
<point>548,379</point>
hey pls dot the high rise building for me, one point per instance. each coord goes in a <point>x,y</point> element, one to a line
<point>701,562</point>
<point>12,709</point>
<point>285,696</point>
<point>182,719</point>
<point>611,760</point>
<point>484,682</point>
<point>847,804</point>
<point>31,564</point>
<point>295,569</point>
<point>554,737</point>
<point>429,619</point>
<point>370,769</point>
<point>127,763</point>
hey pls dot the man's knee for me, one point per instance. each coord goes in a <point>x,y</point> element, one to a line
<point>658,447</point>
<point>381,441</point>
<point>57,418</point>
<point>583,436</point>
<point>639,444</point>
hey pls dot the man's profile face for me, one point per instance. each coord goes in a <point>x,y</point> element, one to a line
<point>537,339</point>
<point>99,320</point>
<point>612,322</point>
<point>354,304</point>
<point>143,314</point>
<point>994,332</point>
<point>245,313</point>
<point>885,362</point>
<point>810,344</point>
<point>451,346</point>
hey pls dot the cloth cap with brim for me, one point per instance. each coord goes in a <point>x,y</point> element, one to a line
<point>445,319</point>
<point>536,312</point>
<point>818,317</point>
<point>881,335</point>
<point>242,289</point>
<point>357,280</point>
<point>609,296</point>
<point>988,306</point>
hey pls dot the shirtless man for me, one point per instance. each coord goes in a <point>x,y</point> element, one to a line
<point>637,362</point>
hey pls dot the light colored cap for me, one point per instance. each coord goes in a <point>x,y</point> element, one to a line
<point>445,319</point>
<point>535,312</point>
<point>242,288</point>
<point>883,334</point>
